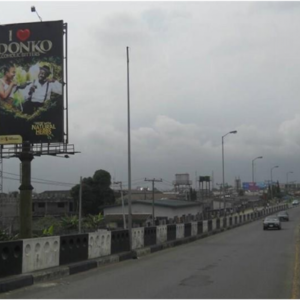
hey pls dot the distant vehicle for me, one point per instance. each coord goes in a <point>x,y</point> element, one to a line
<point>295,202</point>
<point>283,216</point>
<point>272,222</point>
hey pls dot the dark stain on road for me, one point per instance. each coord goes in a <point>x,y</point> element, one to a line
<point>208,267</point>
<point>197,281</point>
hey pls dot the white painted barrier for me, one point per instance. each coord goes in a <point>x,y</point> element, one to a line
<point>214,224</point>
<point>161,234</point>
<point>236,219</point>
<point>205,226</point>
<point>227,222</point>
<point>40,253</point>
<point>138,237</point>
<point>194,228</point>
<point>221,222</point>
<point>179,231</point>
<point>99,243</point>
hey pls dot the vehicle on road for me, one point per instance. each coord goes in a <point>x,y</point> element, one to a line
<point>295,202</point>
<point>272,222</point>
<point>283,216</point>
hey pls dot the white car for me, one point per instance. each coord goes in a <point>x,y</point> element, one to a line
<point>295,202</point>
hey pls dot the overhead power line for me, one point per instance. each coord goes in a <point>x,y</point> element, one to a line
<point>41,180</point>
<point>48,183</point>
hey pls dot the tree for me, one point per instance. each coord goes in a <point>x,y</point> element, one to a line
<point>96,192</point>
<point>193,194</point>
<point>241,192</point>
<point>269,192</point>
<point>278,190</point>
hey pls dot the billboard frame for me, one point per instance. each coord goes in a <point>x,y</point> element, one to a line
<point>49,148</point>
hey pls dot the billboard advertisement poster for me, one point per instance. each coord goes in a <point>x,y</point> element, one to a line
<point>245,185</point>
<point>31,81</point>
<point>254,186</point>
<point>261,185</point>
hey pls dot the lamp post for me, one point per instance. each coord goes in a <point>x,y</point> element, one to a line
<point>223,187</point>
<point>287,179</point>
<point>272,181</point>
<point>129,154</point>
<point>259,157</point>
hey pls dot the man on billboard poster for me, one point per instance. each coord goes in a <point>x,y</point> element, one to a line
<point>40,91</point>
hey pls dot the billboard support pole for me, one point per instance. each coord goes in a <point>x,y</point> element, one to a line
<point>65,26</point>
<point>26,188</point>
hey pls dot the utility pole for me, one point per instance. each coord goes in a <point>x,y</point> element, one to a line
<point>1,170</point>
<point>26,188</point>
<point>80,206</point>
<point>123,209</point>
<point>153,180</point>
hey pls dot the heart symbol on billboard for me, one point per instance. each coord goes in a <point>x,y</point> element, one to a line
<point>23,35</point>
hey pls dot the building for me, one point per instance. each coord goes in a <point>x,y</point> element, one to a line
<point>54,203</point>
<point>145,194</point>
<point>166,208</point>
<point>9,211</point>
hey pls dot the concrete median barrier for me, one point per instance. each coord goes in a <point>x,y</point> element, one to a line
<point>194,228</point>
<point>40,253</point>
<point>11,258</point>
<point>161,234</point>
<point>137,238</point>
<point>99,243</point>
<point>179,231</point>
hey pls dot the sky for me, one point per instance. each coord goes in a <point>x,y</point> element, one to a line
<point>198,70</point>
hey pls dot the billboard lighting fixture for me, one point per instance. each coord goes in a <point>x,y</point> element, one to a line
<point>34,10</point>
<point>54,154</point>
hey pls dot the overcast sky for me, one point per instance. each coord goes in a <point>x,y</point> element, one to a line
<point>197,71</point>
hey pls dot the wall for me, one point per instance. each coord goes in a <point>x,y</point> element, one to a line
<point>40,253</point>
<point>48,252</point>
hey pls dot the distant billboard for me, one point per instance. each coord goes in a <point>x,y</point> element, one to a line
<point>182,179</point>
<point>204,178</point>
<point>31,81</point>
<point>254,186</point>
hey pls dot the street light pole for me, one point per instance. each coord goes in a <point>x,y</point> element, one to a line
<point>223,171</point>
<point>287,179</point>
<point>129,154</point>
<point>259,157</point>
<point>272,182</point>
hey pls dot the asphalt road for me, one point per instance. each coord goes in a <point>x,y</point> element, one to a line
<point>242,263</point>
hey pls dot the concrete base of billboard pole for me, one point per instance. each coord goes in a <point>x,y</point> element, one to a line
<point>26,188</point>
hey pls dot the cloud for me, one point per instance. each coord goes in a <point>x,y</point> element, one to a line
<point>289,131</point>
<point>197,71</point>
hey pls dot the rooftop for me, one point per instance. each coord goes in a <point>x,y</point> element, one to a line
<point>162,203</point>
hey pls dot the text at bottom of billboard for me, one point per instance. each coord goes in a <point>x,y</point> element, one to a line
<point>31,81</point>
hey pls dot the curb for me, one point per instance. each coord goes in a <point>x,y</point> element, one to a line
<point>15,283</point>
<point>107,260</point>
<point>82,266</point>
<point>50,274</point>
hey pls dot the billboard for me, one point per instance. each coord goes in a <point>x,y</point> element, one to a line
<point>31,81</point>
<point>254,186</point>
<point>182,179</point>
